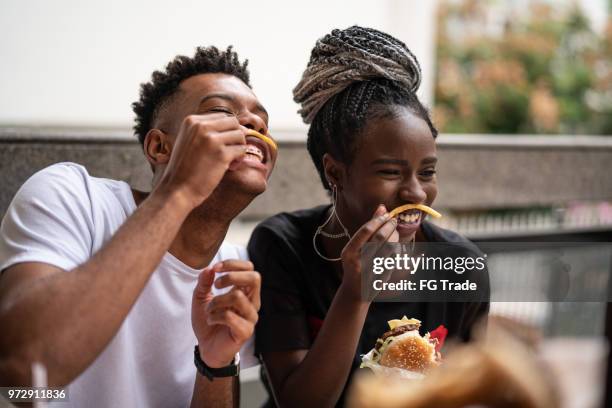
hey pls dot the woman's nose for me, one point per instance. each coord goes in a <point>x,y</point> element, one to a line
<point>412,192</point>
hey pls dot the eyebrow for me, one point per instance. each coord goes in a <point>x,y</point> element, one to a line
<point>399,162</point>
<point>231,99</point>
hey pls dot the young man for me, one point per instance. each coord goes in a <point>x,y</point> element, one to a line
<point>112,288</point>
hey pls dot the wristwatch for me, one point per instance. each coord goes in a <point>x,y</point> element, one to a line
<point>232,370</point>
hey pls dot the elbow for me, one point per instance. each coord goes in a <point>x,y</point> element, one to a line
<point>15,371</point>
<point>17,355</point>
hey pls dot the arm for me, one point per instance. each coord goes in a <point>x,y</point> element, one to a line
<point>221,392</point>
<point>316,377</point>
<point>65,320</point>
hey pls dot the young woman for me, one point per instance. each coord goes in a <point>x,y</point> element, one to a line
<point>373,144</point>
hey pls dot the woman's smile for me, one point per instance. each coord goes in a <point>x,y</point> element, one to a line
<point>408,222</point>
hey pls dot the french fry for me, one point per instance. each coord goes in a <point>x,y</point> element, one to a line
<point>420,207</point>
<point>267,139</point>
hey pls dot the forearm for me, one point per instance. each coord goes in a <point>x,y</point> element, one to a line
<point>66,319</point>
<point>220,392</point>
<point>321,376</point>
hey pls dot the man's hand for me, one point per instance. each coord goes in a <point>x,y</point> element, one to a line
<point>223,323</point>
<point>204,148</point>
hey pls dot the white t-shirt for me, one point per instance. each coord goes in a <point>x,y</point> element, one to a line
<point>62,216</point>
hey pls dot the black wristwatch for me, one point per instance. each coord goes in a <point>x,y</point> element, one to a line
<point>231,370</point>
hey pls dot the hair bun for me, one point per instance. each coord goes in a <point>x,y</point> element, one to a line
<point>350,55</point>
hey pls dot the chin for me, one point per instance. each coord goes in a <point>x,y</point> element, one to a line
<point>247,181</point>
<point>407,238</point>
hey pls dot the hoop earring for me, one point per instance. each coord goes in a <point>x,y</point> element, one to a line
<point>319,230</point>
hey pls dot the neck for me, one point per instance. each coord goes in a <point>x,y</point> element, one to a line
<point>199,238</point>
<point>203,231</point>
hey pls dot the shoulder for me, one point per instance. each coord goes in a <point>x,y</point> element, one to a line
<point>67,193</point>
<point>282,243</point>
<point>60,174</point>
<point>50,219</point>
<point>65,179</point>
<point>61,185</point>
<point>232,251</point>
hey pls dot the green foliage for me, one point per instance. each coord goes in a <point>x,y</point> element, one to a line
<point>543,70</point>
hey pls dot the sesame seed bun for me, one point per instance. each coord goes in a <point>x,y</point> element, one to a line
<point>411,352</point>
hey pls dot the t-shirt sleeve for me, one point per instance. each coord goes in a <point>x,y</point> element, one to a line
<point>282,324</point>
<point>49,220</point>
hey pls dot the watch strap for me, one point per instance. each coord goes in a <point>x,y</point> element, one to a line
<point>231,370</point>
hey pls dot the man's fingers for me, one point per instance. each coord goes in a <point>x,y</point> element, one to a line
<point>217,121</point>
<point>247,281</point>
<point>232,137</point>
<point>250,279</point>
<point>225,129</point>
<point>205,282</point>
<point>240,328</point>
<point>234,152</point>
<point>229,265</point>
<point>236,300</point>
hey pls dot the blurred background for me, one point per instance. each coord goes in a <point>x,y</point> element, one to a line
<point>521,91</point>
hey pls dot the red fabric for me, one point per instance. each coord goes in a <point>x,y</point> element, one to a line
<point>314,324</point>
<point>439,333</point>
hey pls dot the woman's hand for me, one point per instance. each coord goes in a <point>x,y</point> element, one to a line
<point>379,230</point>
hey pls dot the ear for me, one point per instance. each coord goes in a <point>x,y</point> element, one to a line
<point>334,171</point>
<point>157,147</point>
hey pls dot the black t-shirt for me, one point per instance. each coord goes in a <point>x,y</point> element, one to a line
<point>298,288</point>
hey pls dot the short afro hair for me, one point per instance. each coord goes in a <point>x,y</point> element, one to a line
<point>163,84</point>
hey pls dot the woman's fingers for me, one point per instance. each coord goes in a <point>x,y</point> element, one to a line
<point>384,233</point>
<point>381,224</point>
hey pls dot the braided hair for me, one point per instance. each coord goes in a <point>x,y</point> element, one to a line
<point>355,75</point>
<point>156,94</point>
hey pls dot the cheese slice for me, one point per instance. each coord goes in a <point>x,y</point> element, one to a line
<point>402,322</point>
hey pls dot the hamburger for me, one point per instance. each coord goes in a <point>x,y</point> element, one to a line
<point>403,347</point>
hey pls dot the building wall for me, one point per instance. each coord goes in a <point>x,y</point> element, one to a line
<point>474,172</point>
<point>72,62</point>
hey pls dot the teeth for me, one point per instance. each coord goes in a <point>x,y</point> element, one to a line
<point>410,217</point>
<point>255,151</point>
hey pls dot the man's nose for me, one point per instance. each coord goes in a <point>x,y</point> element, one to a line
<point>252,121</point>
<point>412,192</point>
